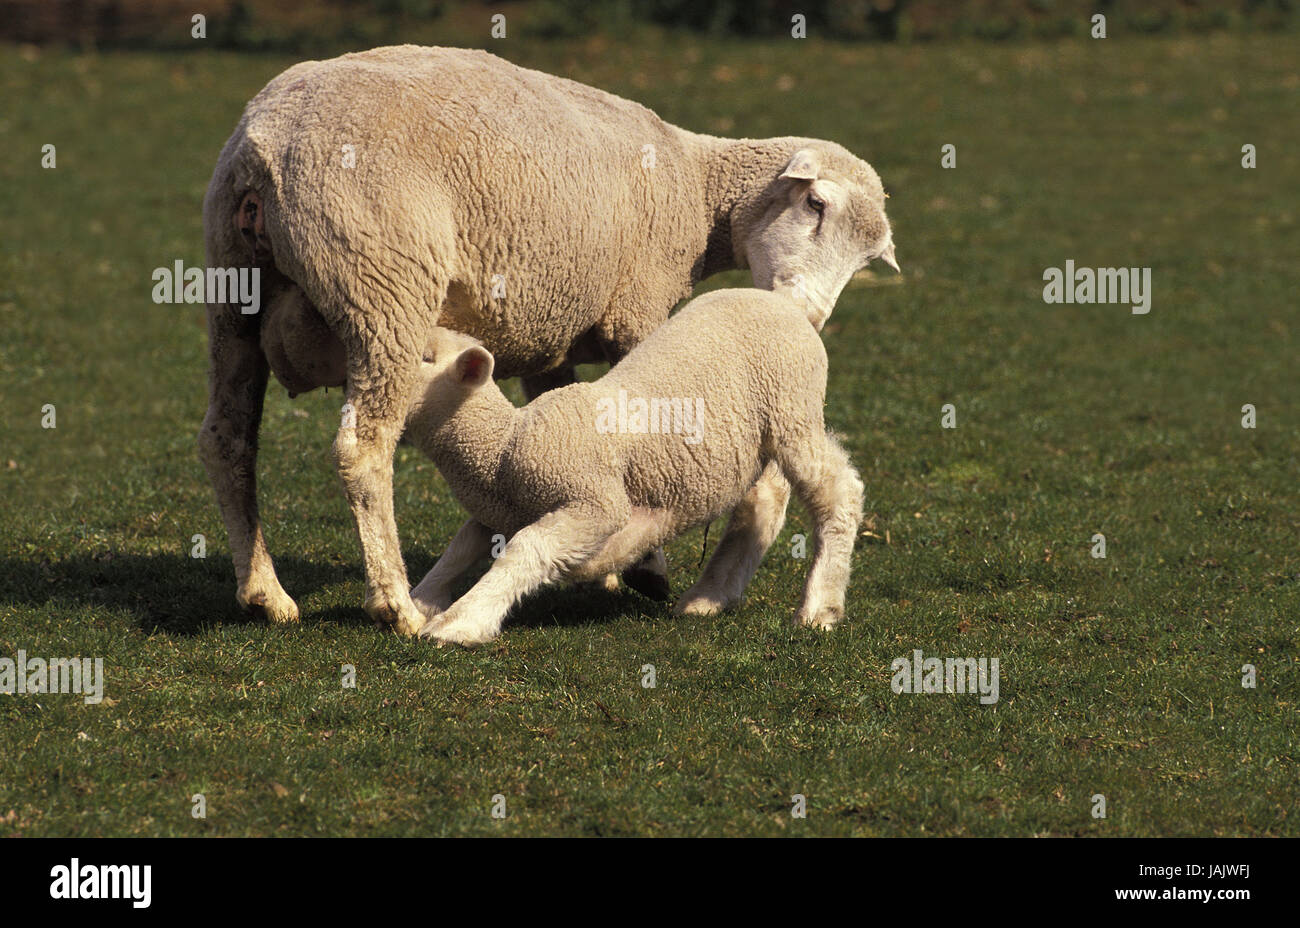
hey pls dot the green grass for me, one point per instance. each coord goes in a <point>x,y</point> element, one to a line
<point>1119,676</point>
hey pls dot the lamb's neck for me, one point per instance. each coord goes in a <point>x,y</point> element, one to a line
<point>468,446</point>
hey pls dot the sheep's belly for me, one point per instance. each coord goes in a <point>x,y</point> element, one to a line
<point>646,529</point>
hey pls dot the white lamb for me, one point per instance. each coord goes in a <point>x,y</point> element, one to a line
<point>587,478</point>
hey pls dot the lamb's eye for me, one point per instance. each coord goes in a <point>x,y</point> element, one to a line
<point>816,204</point>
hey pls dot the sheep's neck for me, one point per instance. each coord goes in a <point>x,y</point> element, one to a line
<point>471,442</point>
<point>736,172</point>
<point>722,191</point>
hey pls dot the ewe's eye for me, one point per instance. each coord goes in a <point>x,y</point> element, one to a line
<point>816,204</point>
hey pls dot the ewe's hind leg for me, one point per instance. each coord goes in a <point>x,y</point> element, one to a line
<point>363,454</point>
<point>383,341</point>
<point>432,595</point>
<point>754,525</point>
<point>538,554</point>
<point>831,490</point>
<point>228,448</point>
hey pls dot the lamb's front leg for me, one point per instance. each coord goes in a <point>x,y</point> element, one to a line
<point>432,596</point>
<point>541,553</point>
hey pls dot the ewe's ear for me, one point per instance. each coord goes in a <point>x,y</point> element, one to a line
<point>474,367</point>
<point>804,165</point>
<point>889,258</point>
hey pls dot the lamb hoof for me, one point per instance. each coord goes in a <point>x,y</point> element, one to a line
<point>824,618</point>
<point>460,633</point>
<point>700,605</point>
<point>648,583</point>
<point>431,626</point>
<point>276,605</point>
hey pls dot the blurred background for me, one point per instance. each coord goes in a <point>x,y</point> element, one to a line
<point>330,25</point>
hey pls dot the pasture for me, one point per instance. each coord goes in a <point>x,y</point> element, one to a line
<point>1119,676</point>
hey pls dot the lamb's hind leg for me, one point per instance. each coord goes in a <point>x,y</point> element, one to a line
<point>831,490</point>
<point>754,525</point>
<point>541,553</point>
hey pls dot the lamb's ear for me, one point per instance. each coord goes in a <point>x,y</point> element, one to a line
<point>804,165</point>
<point>474,367</point>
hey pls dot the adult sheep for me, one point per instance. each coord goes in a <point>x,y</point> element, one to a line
<point>393,190</point>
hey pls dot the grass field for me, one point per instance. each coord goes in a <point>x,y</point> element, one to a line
<point>1120,677</point>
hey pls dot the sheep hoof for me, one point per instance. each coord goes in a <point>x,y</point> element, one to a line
<point>276,605</point>
<point>824,618</point>
<point>387,615</point>
<point>700,605</point>
<point>648,583</point>
<point>461,633</point>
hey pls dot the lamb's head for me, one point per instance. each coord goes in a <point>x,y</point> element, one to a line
<point>454,367</point>
<point>815,225</point>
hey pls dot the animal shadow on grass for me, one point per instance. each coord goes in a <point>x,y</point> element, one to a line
<point>167,593</point>
<point>178,595</point>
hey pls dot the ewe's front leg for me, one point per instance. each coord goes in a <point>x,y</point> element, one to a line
<point>541,553</point>
<point>754,525</point>
<point>432,596</point>
<point>536,384</point>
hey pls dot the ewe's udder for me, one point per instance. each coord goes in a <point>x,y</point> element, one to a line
<point>301,349</point>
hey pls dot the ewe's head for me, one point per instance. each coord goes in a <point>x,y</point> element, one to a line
<point>814,226</point>
<point>453,367</point>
